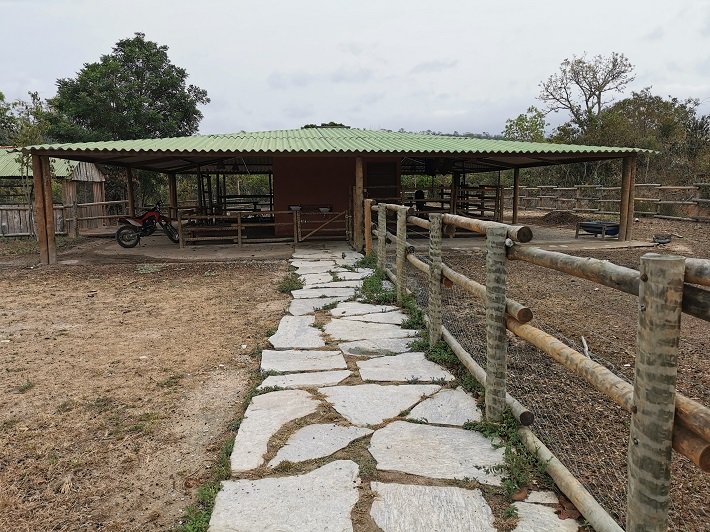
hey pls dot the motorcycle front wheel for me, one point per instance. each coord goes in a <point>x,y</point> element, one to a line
<point>171,232</point>
<point>127,236</point>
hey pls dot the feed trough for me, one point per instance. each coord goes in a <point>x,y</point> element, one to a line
<point>598,228</point>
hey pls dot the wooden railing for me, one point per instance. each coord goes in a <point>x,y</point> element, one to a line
<point>661,418</point>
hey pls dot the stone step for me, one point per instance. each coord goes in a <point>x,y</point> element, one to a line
<point>402,368</point>
<point>447,407</point>
<point>355,308</point>
<point>293,360</point>
<point>317,441</point>
<point>348,330</point>
<point>376,348</point>
<point>313,379</point>
<point>295,332</point>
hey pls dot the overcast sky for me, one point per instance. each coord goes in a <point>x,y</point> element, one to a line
<point>432,64</point>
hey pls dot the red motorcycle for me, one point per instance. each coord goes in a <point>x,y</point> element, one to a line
<point>132,229</point>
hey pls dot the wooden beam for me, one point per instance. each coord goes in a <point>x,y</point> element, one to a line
<point>632,189</point>
<point>516,194</point>
<point>130,192</point>
<point>358,204</point>
<point>368,226</point>
<point>39,209</point>
<point>49,211</point>
<point>625,198</point>
<point>172,193</point>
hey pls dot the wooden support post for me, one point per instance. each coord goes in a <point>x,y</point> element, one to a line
<point>295,227</point>
<point>49,211</point>
<point>39,209</point>
<point>455,182</point>
<point>382,237</point>
<point>239,229</point>
<point>516,194</point>
<point>368,226</point>
<point>181,231</point>
<point>130,191</point>
<point>496,339</point>
<point>401,257</point>
<point>172,193</point>
<point>650,441</point>
<point>632,194</point>
<point>358,207</point>
<point>75,218</point>
<point>626,193</point>
<point>434,305</point>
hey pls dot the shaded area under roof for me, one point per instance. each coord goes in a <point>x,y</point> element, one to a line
<point>253,152</point>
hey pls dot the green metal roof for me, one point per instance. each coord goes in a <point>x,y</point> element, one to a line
<point>10,166</point>
<point>330,141</point>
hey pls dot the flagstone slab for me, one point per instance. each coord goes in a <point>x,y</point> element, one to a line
<point>316,268</point>
<point>410,508</point>
<point>320,500</point>
<point>312,379</point>
<point>310,293</point>
<point>543,497</point>
<point>536,517</point>
<point>263,418</point>
<point>354,276</point>
<point>316,441</point>
<point>338,284</point>
<point>355,308</point>
<point>396,317</point>
<point>404,367</point>
<point>376,348</point>
<point>348,330</point>
<point>305,263</point>
<point>311,279</point>
<point>296,360</point>
<point>301,307</point>
<point>436,452</point>
<point>295,332</point>
<point>371,404</point>
<point>448,407</point>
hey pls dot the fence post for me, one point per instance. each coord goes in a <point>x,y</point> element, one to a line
<point>295,227</point>
<point>401,252</point>
<point>434,306</point>
<point>650,441</point>
<point>381,237</point>
<point>368,226</point>
<point>496,340</point>
<point>75,217</point>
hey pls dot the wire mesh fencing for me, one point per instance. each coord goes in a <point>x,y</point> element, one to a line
<point>584,429</point>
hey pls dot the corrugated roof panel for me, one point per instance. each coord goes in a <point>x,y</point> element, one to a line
<point>10,166</point>
<point>332,140</point>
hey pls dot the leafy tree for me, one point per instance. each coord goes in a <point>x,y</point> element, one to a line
<point>528,126</point>
<point>8,122</point>
<point>584,87</point>
<point>325,124</point>
<point>133,92</point>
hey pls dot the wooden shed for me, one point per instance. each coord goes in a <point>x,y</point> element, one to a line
<point>319,177</point>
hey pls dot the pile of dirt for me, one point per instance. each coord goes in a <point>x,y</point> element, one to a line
<point>560,218</point>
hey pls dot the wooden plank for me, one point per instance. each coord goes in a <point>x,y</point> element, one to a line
<point>368,226</point>
<point>631,203</point>
<point>625,198</point>
<point>39,209</point>
<point>49,210</point>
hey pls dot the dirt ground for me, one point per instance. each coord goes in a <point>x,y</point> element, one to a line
<point>118,384</point>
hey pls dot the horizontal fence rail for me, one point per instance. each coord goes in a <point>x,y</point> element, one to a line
<point>689,430</point>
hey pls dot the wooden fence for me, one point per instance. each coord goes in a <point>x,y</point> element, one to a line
<point>661,418</point>
<point>18,220</point>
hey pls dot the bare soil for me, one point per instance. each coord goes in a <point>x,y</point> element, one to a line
<point>118,382</point>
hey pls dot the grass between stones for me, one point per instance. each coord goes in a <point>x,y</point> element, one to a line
<point>290,282</point>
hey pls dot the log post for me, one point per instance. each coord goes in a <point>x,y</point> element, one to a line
<point>455,182</point>
<point>75,218</point>
<point>434,305</point>
<point>632,195</point>
<point>516,194</point>
<point>49,211</point>
<point>626,193</point>
<point>496,339</point>
<point>358,193</point>
<point>653,410</point>
<point>368,226</point>
<point>295,227</point>
<point>130,192</point>
<point>382,237</point>
<point>181,231</point>
<point>39,209</point>
<point>401,257</point>
<point>172,195</point>
<point>239,229</point>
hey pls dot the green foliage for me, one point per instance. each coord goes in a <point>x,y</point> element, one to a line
<point>133,92</point>
<point>369,261</point>
<point>289,283</point>
<point>7,122</point>
<point>374,292</point>
<point>415,315</point>
<point>325,124</point>
<point>520,465</point>
<point>528,126</point>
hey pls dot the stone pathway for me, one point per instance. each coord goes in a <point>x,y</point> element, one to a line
<point>345,399</point>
